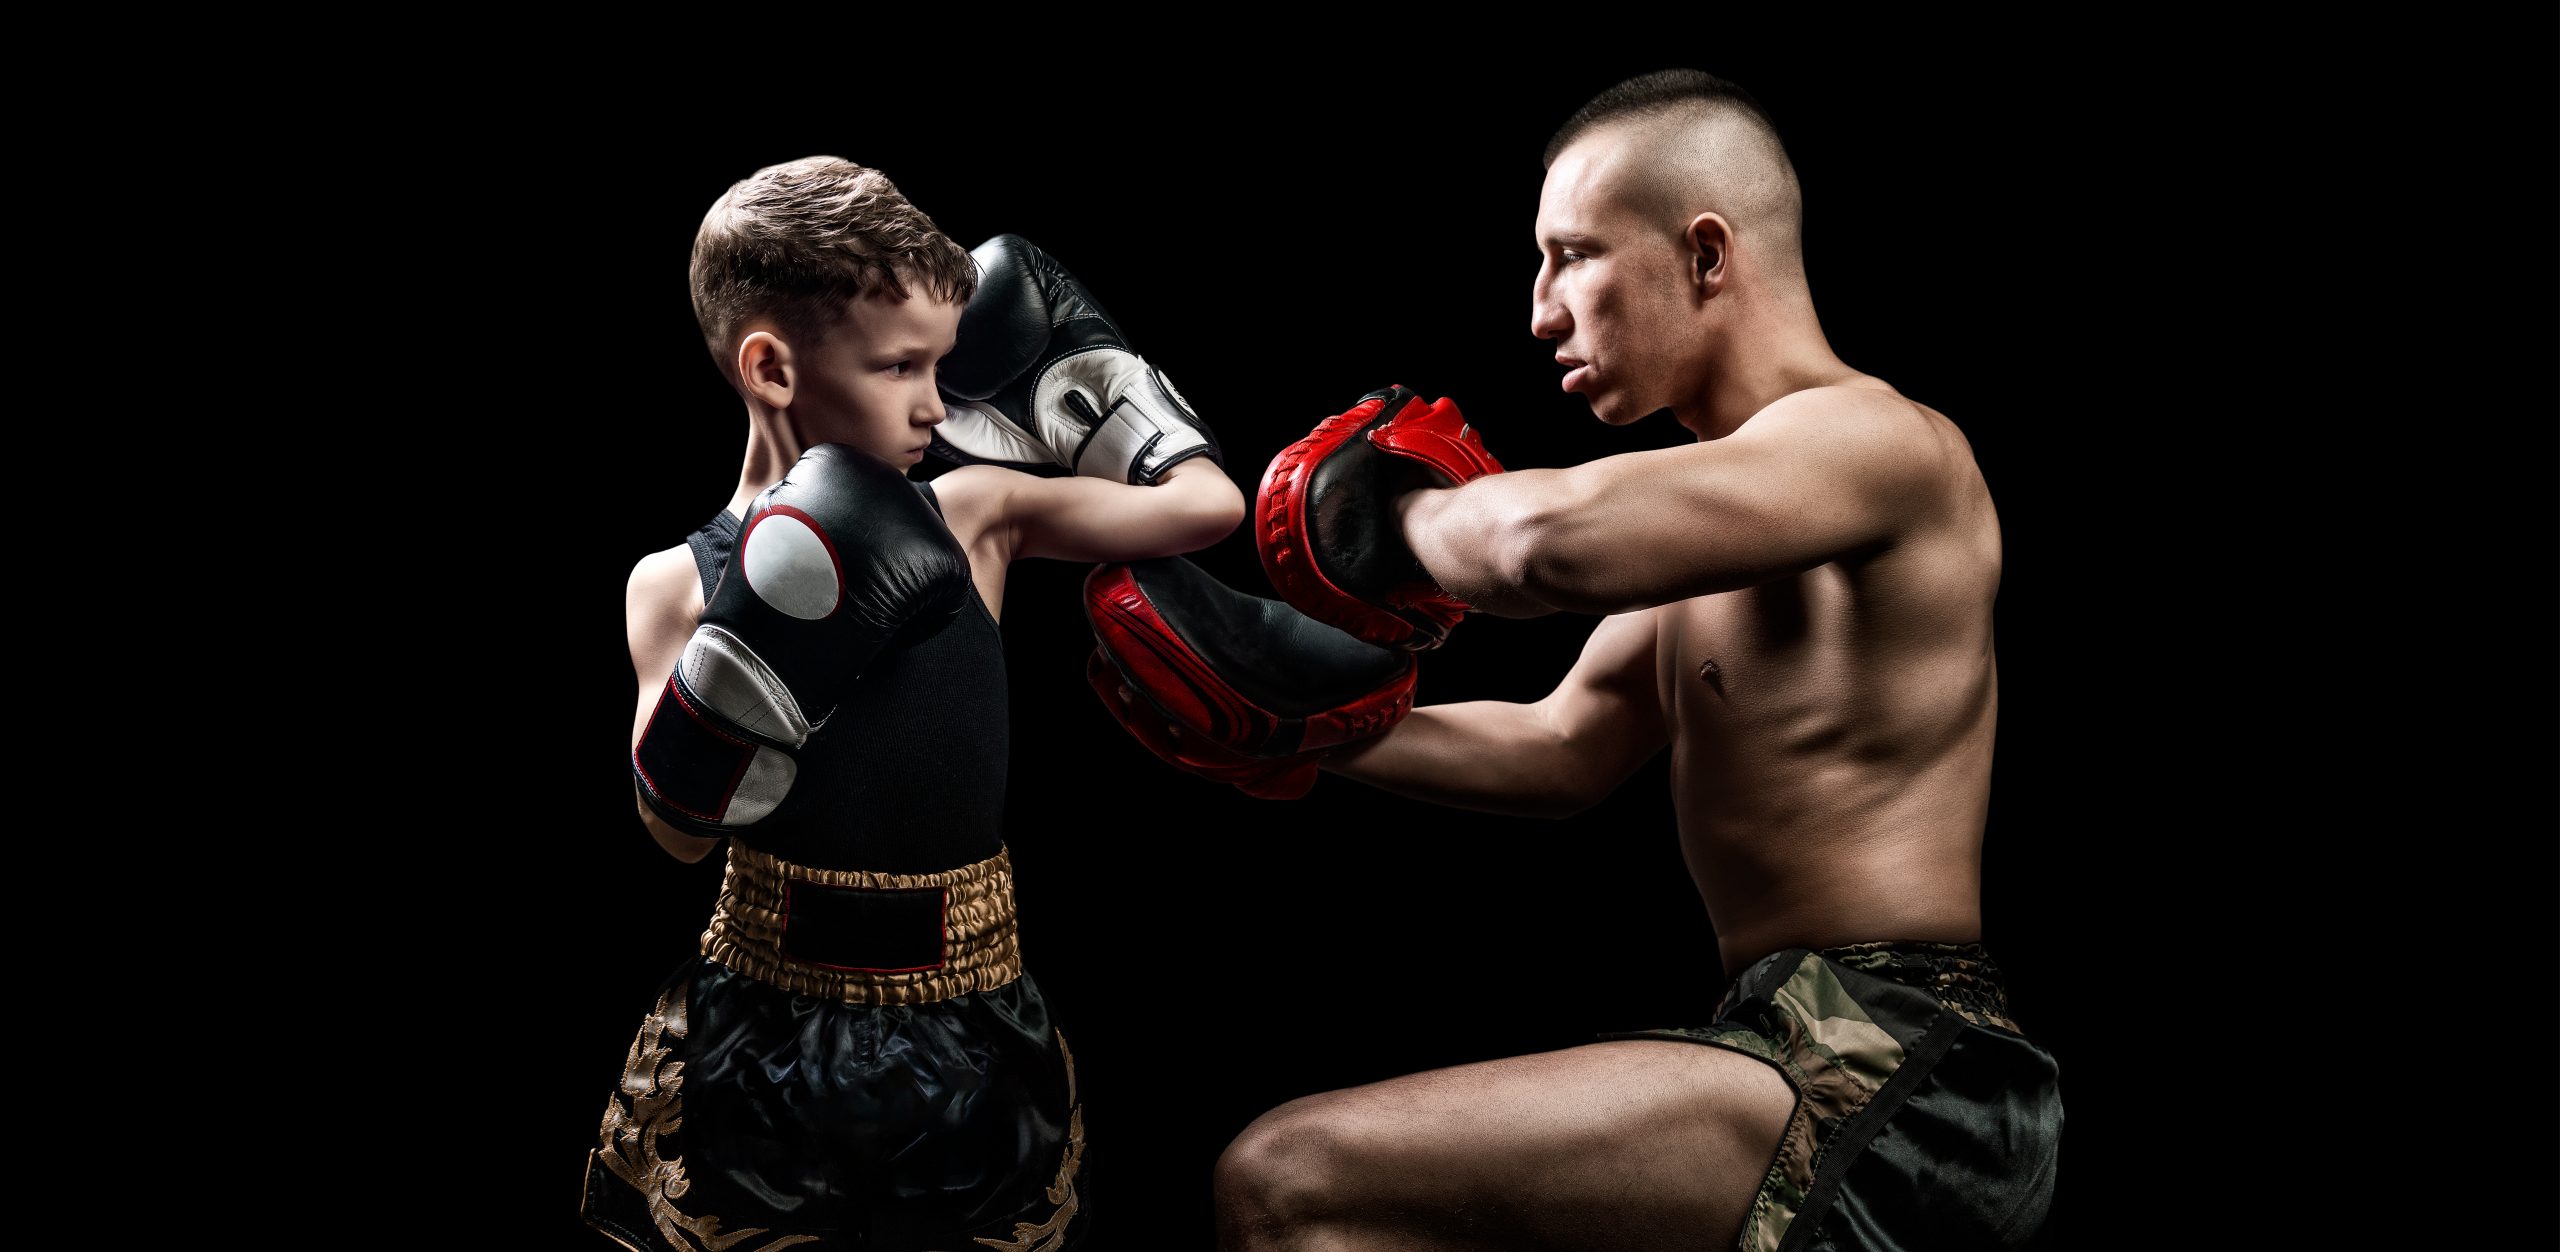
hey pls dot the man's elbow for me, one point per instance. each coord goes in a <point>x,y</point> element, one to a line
<point>1576,796</point>
<point>1568,786</point>
<point>1554,806</point>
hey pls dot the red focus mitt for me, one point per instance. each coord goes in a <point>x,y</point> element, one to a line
<point>1325,518</point>
<point>1256,690</point>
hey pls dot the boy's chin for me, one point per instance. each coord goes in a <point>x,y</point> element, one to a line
<point>901,456</point>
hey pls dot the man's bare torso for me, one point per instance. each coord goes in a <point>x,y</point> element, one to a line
<point>1831,736</point>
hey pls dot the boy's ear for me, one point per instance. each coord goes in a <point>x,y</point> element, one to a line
<point>765,369</point>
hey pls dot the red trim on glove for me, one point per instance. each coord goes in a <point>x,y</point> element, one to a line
<point>1415,616</point>
<point>1440,438</point>
<point>1274,778</point>
<point>1190,691</point>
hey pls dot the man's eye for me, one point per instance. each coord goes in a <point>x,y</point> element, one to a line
<point>1571,256</point>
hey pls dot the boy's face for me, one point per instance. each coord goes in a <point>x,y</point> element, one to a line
<point>870,382</point>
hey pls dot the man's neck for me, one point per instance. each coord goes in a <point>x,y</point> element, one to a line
<point>1784,353</point>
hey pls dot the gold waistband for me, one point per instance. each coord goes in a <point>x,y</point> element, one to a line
<point>979,950</point>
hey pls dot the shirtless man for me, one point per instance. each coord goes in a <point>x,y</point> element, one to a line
<point>1798,605</point>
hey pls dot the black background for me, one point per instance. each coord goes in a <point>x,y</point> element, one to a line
<point>2117,299</point>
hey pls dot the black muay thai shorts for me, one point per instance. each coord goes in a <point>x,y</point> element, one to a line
<point>856,1061</point>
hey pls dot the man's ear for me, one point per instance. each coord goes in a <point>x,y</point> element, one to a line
<point>1710,242</point>
<point>766,370</point>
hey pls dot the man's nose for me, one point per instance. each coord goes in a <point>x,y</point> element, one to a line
<point>1546,318</point>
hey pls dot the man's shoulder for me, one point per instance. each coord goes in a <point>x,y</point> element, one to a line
<point>1880,408</point>
<point>1869,422</point>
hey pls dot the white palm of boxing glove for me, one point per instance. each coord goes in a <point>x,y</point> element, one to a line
<point>1041,380</point>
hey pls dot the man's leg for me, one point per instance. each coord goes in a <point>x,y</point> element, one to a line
<point>1629,1144</point>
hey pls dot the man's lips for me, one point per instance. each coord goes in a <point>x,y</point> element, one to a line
<point>1576,372</point>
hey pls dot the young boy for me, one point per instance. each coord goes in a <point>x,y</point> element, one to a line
<point>857,1058</point>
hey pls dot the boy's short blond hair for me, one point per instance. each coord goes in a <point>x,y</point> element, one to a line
<point>797,242</point>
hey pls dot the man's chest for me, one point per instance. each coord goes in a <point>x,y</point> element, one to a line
<point>1737,655</point>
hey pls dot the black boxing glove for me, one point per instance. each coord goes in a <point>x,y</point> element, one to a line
<point>838,561</point>
<point>1042,380</point>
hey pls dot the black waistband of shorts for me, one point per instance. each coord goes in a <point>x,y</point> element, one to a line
<point>1961,975</point>
<point>864,937</point>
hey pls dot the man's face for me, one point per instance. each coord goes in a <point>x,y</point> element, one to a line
<point>1614,288</point>
<point>870,382</point>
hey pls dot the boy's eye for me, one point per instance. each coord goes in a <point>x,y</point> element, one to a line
<point>900,369</point>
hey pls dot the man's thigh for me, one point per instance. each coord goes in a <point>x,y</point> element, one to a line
<point>1626,1144</point>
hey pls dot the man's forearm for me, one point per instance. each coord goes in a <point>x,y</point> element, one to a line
<point>1486,755</point>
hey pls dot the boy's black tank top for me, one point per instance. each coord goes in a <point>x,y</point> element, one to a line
<point>907,777</point>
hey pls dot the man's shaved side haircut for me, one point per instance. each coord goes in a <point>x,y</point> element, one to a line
<point>1704,144</point>
<point>1655,95</point>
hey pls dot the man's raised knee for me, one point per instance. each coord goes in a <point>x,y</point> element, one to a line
<point>1286,1169</point>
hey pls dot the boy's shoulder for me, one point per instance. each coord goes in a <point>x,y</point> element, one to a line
<point>663,584</point>
<point>974,499</point>
<point>972,482</point>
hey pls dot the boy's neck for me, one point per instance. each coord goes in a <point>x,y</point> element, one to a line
<point>774,445</point>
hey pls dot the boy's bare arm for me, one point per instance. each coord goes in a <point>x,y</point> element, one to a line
<point>1092,519</point>
<point>660,606</point>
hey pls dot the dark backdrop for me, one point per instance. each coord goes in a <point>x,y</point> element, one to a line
<point>1985,231</point>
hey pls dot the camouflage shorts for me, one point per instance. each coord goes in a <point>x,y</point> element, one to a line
<point>1923,1119</point>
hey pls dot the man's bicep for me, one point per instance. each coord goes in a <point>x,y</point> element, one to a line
<point>1793,489</point>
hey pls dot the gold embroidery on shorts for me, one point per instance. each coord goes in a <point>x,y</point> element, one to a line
<point>650,1105</point>
<point>1051,1235</point>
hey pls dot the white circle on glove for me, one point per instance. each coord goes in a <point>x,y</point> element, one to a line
<point>791,566</point>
